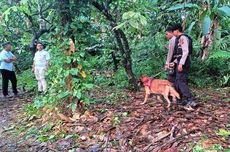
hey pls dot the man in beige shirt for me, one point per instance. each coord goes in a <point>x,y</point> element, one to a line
<point>182,51</point>
<point>169,61</point>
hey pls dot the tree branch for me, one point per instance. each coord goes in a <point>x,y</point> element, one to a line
<point>104,11</point>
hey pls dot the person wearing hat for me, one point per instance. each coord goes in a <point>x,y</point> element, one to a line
<point>7,69</point>
<point>182,53</point>
<point>40,66</point>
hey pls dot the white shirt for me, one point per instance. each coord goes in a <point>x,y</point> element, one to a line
<point>170,49</point>
<point>41,58</point>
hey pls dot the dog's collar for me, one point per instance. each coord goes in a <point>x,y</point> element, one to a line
<point>148,84</point>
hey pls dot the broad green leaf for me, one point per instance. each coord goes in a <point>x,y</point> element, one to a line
<point>190,27</point>
<point>74,71</point>
<point>14,8</point>
<point>128,15</point>
<point>79,94</point>
<point>63,95</point>
<point>206,25</point>
<point>88,86</point>
<point>119,26</point>
<point>6,14</point>
<point>73,106</point>
<point>225,10</point>
<point>181,6</point>
<point>143,20</point>
<point>134,23</point>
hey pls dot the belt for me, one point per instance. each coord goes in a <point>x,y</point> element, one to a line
<point>177,56</point>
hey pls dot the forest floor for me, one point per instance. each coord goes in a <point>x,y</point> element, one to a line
<point>117,122</point>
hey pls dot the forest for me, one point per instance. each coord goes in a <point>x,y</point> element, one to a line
<point>98,51</point>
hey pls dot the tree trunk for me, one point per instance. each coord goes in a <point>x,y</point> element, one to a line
<point>115,61</point>
<point>66,20</point>
<point>126,55</point>
<point>35,38</point>
<point>122,43</point>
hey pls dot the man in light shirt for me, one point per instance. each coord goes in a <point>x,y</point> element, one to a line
<point>182,52</point>
<point>169,61</point>
<point>7,69</point>
<point>40,66</point>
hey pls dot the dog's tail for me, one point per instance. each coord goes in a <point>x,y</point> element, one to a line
<point>174,92</point>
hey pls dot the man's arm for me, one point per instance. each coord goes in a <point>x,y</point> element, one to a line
<point>170,51</point>
<point>33,65</point>
<point>47,60</point>
<point>13,58</point>
<point>47,64</point>
<point>185,51</point>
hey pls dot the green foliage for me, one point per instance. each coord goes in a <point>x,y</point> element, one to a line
<point>224,133</point>
<point>27,80</point>
<point>215,147</point>
<point>135,19</point>
<point>225,10</point>
<point>182,6</point>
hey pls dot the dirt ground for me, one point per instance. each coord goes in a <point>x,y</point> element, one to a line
<point>121,126</point>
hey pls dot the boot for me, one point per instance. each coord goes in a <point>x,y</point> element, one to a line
<point>191,102</point>
<point>182,101</point>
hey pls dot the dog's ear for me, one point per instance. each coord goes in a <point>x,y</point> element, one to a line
<point>139,82</point>
<point>142,76</point>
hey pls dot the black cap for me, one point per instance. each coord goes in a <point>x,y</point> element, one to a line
<point>5,44</point>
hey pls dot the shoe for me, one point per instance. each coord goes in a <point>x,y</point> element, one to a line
<point>16,95</point>
<point>7,96</point>
<point>182,102</point>
<point>192,103</point>
<point>188,107</point>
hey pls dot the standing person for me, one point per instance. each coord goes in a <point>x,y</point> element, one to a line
<point>40,65</point>
<point>169,65</point>
<point>7,69</point>
<point>182,52</point>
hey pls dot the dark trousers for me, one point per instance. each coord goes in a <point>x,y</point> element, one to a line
<point>172,76</point>
<point>181,82</point>
<point>6,76</point>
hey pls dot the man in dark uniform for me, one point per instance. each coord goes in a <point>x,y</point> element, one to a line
<point>181,55</point>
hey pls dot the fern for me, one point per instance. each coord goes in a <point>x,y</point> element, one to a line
<point>224,55</point>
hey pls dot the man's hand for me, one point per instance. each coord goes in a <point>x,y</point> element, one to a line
<point>8,60</point>
<point>180,67</point>
<point>171,65</point>
<point>166,66</point>
<point>13,58</point>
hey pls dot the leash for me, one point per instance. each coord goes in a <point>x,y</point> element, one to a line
<point>162,70</point>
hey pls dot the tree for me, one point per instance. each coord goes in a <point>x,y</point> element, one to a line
<point>35,21</point>
<point>121,39</point>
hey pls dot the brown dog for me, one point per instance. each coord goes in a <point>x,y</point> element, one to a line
<point>157,86</point>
